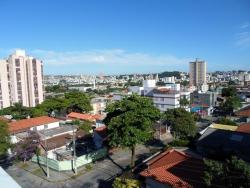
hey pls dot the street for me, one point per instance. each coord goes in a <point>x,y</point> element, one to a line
<point>101,174</point>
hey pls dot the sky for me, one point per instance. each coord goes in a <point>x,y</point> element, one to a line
<point>127,36</point>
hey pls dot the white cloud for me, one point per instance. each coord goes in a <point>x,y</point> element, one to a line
<point>243,39</point>
<point>245,25</point>
<point>109,56</point>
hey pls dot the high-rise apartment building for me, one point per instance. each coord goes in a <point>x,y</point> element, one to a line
<point>21,80</point>
<point>197,73</point>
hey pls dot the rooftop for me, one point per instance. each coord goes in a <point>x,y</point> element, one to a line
<point>245,128</point>
<point>47,133</point>
<point>224,127</point>
<point>88,117</point>
<point>244,112</point>
<point>25,124</point>
<point>62,140</point>
<point>175,169</point>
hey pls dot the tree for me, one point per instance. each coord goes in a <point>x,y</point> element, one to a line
<point>85,125</point>
<point>232,101</point>
<point>77,101</point>
<point>232,173</point>
<point>27,148</point>
<point>4,138</point>
<point>17,111</point>
<point>185,83</point>
<point>229,92</point>
<point>125,183</point>
<point>184,102</point>
<point>231,104</point>
<point>57,104</point>
<point>181,122</point>
<point>130,122</point>
<point>226,121</point>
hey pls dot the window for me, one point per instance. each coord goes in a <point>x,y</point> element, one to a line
<point>17,62</point>
<point>162,105</point>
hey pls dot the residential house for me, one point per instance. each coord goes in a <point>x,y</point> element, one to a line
<point>19,128</point>
<point>55,138</point>
<point>244,113</point>
<point>96,119</point>
<point>174,168</point>
<point>224,140</point>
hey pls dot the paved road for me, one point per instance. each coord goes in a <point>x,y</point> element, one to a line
<point>100,176</point>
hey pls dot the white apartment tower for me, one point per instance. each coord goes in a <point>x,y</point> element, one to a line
<point>21,80</point>
<point>197,73</point>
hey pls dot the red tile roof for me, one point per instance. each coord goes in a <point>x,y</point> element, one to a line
<point>245,128</point>
<point>176,169</point>
<point>245,112</point>
<point>89,117</point>
<point>25,124</point>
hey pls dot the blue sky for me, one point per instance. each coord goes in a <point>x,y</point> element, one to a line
<point>127,36</point>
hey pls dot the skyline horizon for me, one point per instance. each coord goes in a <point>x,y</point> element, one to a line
<point>11,51</point>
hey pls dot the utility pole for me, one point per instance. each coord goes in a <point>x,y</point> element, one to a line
<point>74,147</point>
<point>46,151</point>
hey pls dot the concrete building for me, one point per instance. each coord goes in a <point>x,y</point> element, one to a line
<point>197,73</point>
<point>21,80</point>
<point>165,99</point>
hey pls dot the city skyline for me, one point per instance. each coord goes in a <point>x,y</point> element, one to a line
<point>111,37</point>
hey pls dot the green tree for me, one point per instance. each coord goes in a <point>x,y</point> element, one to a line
<point>4,138</point>
<point>77,101</point>
<point>17,111</point>
<point>85,125</point>
<point>125,183</point>
<point>185,83</point>
<point>130,122</point>
<point>232,101</point>
<point>184,102</point>
<point>229,92</point>
<point>231,104</point>
<point>53,104</point>
<point>232,173</point>
<point>181,121</point>
<point>226,121</point>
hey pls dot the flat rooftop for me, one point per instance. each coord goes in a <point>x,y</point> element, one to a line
<point>47,133</point>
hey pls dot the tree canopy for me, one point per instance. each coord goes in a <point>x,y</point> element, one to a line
<point>229,92</point>
<point>232,173</point>
<point>226,121</point>
<point>130,122</point>
<point>17,111</point>
<point>181,122</point>
<point>4,138</point>
<point>232,101</point>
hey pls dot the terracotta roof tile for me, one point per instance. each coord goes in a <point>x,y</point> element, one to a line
<point>22,125</point>
<point>89,117</point>
<point>245,128</point>
<point>245,112</point>
<point>176,169</point>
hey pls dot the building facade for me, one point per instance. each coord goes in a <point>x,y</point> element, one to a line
<point>197,73</point>
<point>21,80</point>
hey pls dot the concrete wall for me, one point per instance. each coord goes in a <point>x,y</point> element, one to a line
<point>68,164</point>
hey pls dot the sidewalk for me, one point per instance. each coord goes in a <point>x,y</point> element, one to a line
<point>30,175</point>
